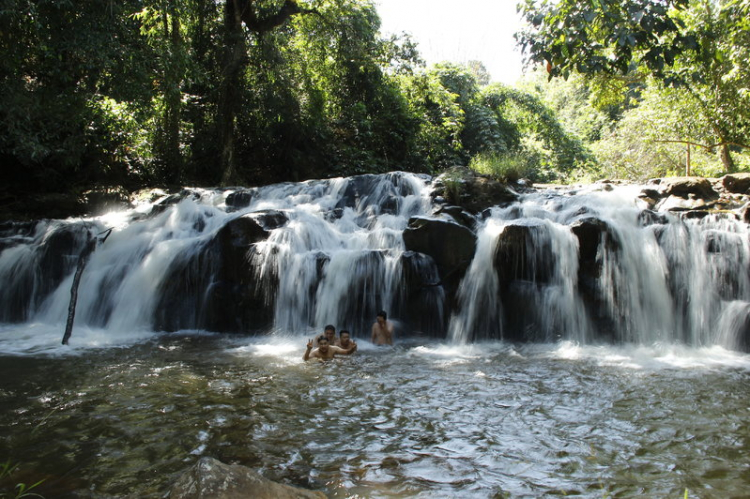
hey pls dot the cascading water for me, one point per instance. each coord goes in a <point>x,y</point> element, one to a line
<point>584,266</point>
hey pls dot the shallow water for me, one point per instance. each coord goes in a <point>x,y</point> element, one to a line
<point>126,416</point>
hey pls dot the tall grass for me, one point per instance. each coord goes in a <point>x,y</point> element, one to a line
<point>506,167</point>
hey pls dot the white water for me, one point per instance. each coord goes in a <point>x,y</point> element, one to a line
<point>340,257</point>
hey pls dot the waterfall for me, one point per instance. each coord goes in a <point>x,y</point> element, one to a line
<point>586,265</point>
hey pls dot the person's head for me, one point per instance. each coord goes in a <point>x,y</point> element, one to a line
<point>330,332</point>
<point>344,338</point>
<point>382,317</point>
<point>323,344</point>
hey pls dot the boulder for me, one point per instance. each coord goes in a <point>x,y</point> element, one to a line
<point>422,295</point>
<point>591,233</point>
<point>449,244</point>
<point>594,235</point>
<point>736,183</point>
<point>223,265</point>
<point>210,478</point>
<point>745,213</point>
<point>239,199</point>
<point>678,203</point>
<point>683,187</point>
<point>474,192</point>
<point>524,252</point>
<point>458,214</point>
<point>269,219</point>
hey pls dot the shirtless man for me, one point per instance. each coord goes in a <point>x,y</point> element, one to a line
<point>382,330</point>
<point>326,351</point>
<point>329,332</point>
<point>345,339</point>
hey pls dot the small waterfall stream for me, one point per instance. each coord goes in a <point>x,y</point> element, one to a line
<point>586,266</point>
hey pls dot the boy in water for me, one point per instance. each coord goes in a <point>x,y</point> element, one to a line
<point>382,330</point>
<point>325,351</point>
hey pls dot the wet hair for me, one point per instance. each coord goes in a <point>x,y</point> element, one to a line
<point>329,327</point>
<point>323,337</point>
<point>383,314</point>
<point>344,331</point>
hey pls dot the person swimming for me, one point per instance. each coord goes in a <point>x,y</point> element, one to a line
<point>326,351</point>
<point>345,339</point>
<point>329,332</point>
<point>382,330</point>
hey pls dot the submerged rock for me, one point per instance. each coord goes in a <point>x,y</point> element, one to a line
<point>210,478</point>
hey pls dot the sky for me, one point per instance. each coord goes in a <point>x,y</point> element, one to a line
<point>459,31</point>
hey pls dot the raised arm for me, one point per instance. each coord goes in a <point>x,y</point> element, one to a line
<point>350,350</point>
<point>306,357</point>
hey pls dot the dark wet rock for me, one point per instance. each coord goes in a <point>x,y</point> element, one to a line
<point>370,192</point>
<point>334,214</point>
<point>451,245</point>
<point>694,214</point>
<point>422,295</point>
<point>595,237</point>
<point>210,478</point>
<point>173,199</point>
<point>524,252</point>
<point>214,287</point>
<point>54,257</point>
<point>592,233</point>
<point>239,199</point>
<point>269,219</point>
<point>458,214</point>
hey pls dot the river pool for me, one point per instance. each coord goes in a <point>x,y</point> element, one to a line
<point>114,417</point>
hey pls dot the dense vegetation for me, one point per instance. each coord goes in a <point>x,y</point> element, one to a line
<point>104,95</point>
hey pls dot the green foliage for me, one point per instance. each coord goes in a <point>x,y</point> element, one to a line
<point>18,490</point>
<point>699,46</point>
<point>193,91</point>
<point>557,153</point>
<point>505,167</point>
<point>606,36</point>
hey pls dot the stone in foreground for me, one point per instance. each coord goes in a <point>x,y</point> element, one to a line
<point>210,478</point>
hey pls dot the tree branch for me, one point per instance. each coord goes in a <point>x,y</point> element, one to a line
<point>266,24</point>
<point>708,147</point>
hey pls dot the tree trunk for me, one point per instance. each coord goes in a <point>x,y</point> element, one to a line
<point>235,63</point>
<point>726,159</point>
<point>172,111</point>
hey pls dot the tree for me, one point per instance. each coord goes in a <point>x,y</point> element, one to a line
<point>63,64</point>
<point>260,18</point>
<point>696,44</point>
<point>605,36</point>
